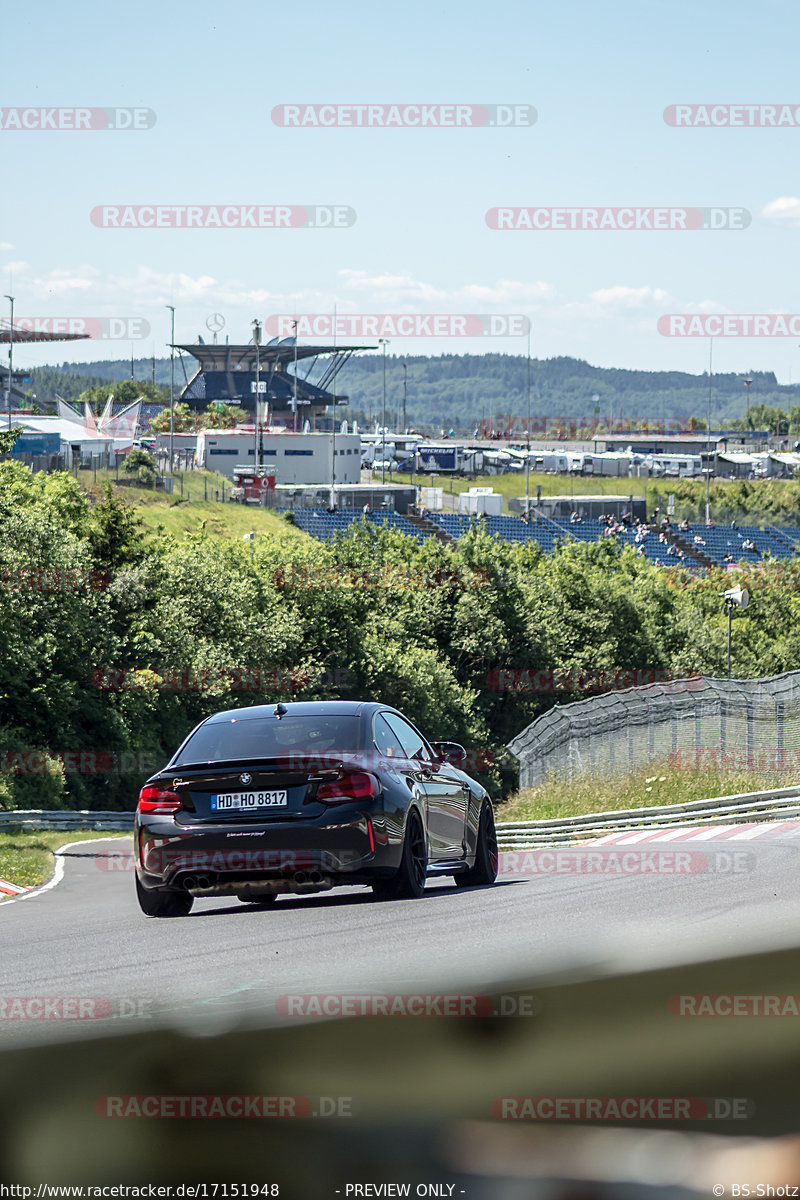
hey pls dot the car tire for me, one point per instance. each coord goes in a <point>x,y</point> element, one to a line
<point>163,902</point>
<point>409,882</point>
<point>484,872</point>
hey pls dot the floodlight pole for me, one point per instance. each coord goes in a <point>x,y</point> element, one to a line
<point>171,386</point>
<point>405,391</point>
<point>294,326</point>
<point>730,622</point>
<point>257,343</point>
<point>10,359</point>
<point>528,453</point>
<point>708,425</point>
<point>383,341</point>
<point>747,384</point>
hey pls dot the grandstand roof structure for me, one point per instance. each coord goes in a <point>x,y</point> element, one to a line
<point>227,372</point>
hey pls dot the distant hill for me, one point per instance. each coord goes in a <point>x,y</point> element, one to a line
<point>459,389</point>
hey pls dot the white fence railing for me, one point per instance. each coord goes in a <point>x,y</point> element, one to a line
<point>38,818</point>
<point>776,805</point>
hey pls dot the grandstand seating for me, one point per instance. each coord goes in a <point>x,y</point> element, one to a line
<point>718,540</point>
<point>325,525</point>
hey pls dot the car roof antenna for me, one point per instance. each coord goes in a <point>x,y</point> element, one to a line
<point>280,711</point>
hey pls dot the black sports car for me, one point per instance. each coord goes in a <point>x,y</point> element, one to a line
<point>303,797</point>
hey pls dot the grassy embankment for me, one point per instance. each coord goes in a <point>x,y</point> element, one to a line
<point>191,512</point>
<point>26,856</point>
<point>652,784</point>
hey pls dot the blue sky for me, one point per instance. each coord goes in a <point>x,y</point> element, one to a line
<point>599,76</point>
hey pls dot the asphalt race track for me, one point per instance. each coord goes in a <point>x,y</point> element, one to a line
<point>86,938</point>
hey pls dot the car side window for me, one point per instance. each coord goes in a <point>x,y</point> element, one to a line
<point>413,744</point>
<point>386,739</point>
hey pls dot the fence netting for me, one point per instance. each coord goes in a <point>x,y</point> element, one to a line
<point>733,724</point>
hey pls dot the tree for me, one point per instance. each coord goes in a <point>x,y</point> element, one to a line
<point>143,463</point>
<point>125,391</point>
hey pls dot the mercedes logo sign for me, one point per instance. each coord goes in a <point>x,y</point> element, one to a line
<point>215,322</point>
<point>245,778</point>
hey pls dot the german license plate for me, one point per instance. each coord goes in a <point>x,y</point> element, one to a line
<point>228,801</point>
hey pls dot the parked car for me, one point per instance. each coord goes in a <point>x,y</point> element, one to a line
<point>303,797</point>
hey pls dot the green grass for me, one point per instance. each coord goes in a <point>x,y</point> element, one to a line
<point>192,513</point>
<point>653,783</point>
<point>26,856</point>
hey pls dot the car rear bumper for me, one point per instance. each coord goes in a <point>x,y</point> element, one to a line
<point>220,860</point>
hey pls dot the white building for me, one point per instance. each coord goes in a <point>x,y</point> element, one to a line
<point>78,444</point>
<point>298,458</point>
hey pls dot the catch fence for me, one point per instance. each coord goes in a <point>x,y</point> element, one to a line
<point>733,724</point>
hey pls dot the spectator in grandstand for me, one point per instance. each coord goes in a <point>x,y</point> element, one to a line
<point>734,525</point>
<point>662,537</point>
<point>747,544</point>
<point>366,508</point>
<point>672,551</point>
<point>684,526</point>
<point>698,541</point>
<point>641,551</point>
<point>728,557</point>
<point>681,555</point>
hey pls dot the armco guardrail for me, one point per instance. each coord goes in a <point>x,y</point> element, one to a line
<point>780,803</point>
<point>39,818</point>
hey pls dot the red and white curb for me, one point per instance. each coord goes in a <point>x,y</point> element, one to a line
<point>11,889</point>
<point>746,832</point>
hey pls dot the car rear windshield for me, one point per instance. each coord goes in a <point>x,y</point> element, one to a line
<point>300,737</point>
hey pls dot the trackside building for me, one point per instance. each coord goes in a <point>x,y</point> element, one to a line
<point>298,458</point>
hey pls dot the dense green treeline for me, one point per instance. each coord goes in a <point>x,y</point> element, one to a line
<point>117,640</point>
<point>459,389</point>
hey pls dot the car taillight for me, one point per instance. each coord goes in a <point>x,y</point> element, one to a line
<point>153,799</point>
<point>354,785</point>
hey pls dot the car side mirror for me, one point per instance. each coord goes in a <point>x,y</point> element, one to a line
<point>450,752</point>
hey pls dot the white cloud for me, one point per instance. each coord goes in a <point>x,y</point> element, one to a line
<point>385,287</point>
<point>628,297</point>
<point>783,211</point>
<point>4,246</point>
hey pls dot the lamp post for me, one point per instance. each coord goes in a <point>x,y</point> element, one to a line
<point>405,390</point>
<point>747,384</point>
<point>294,402</point>
<point>10,359</point>
<point>528,440</point>
<point>171,386</point>
<point>383,342</point>
<point>257,342</point>
<point>736,597</point>
<point>708,424</point>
